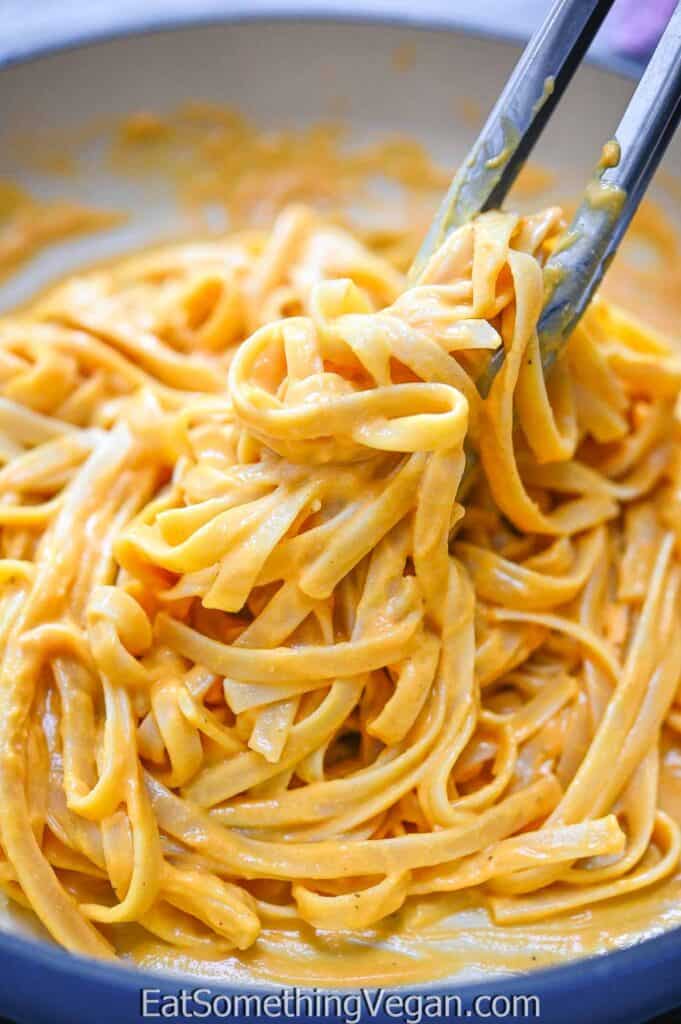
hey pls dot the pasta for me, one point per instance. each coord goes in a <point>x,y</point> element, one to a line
<point>297,627</point>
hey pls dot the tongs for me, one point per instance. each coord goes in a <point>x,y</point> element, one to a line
<point>577,266</point>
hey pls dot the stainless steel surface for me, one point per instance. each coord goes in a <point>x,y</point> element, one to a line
<point>518,117</point>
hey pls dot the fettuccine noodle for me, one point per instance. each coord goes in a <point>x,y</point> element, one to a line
<point>295,626</point>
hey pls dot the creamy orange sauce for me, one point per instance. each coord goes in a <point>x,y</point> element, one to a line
<point>251,176</point>
<point>28,225</point>
<point>437,937</point>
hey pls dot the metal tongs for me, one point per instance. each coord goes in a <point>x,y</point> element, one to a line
<point>575,269</point>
